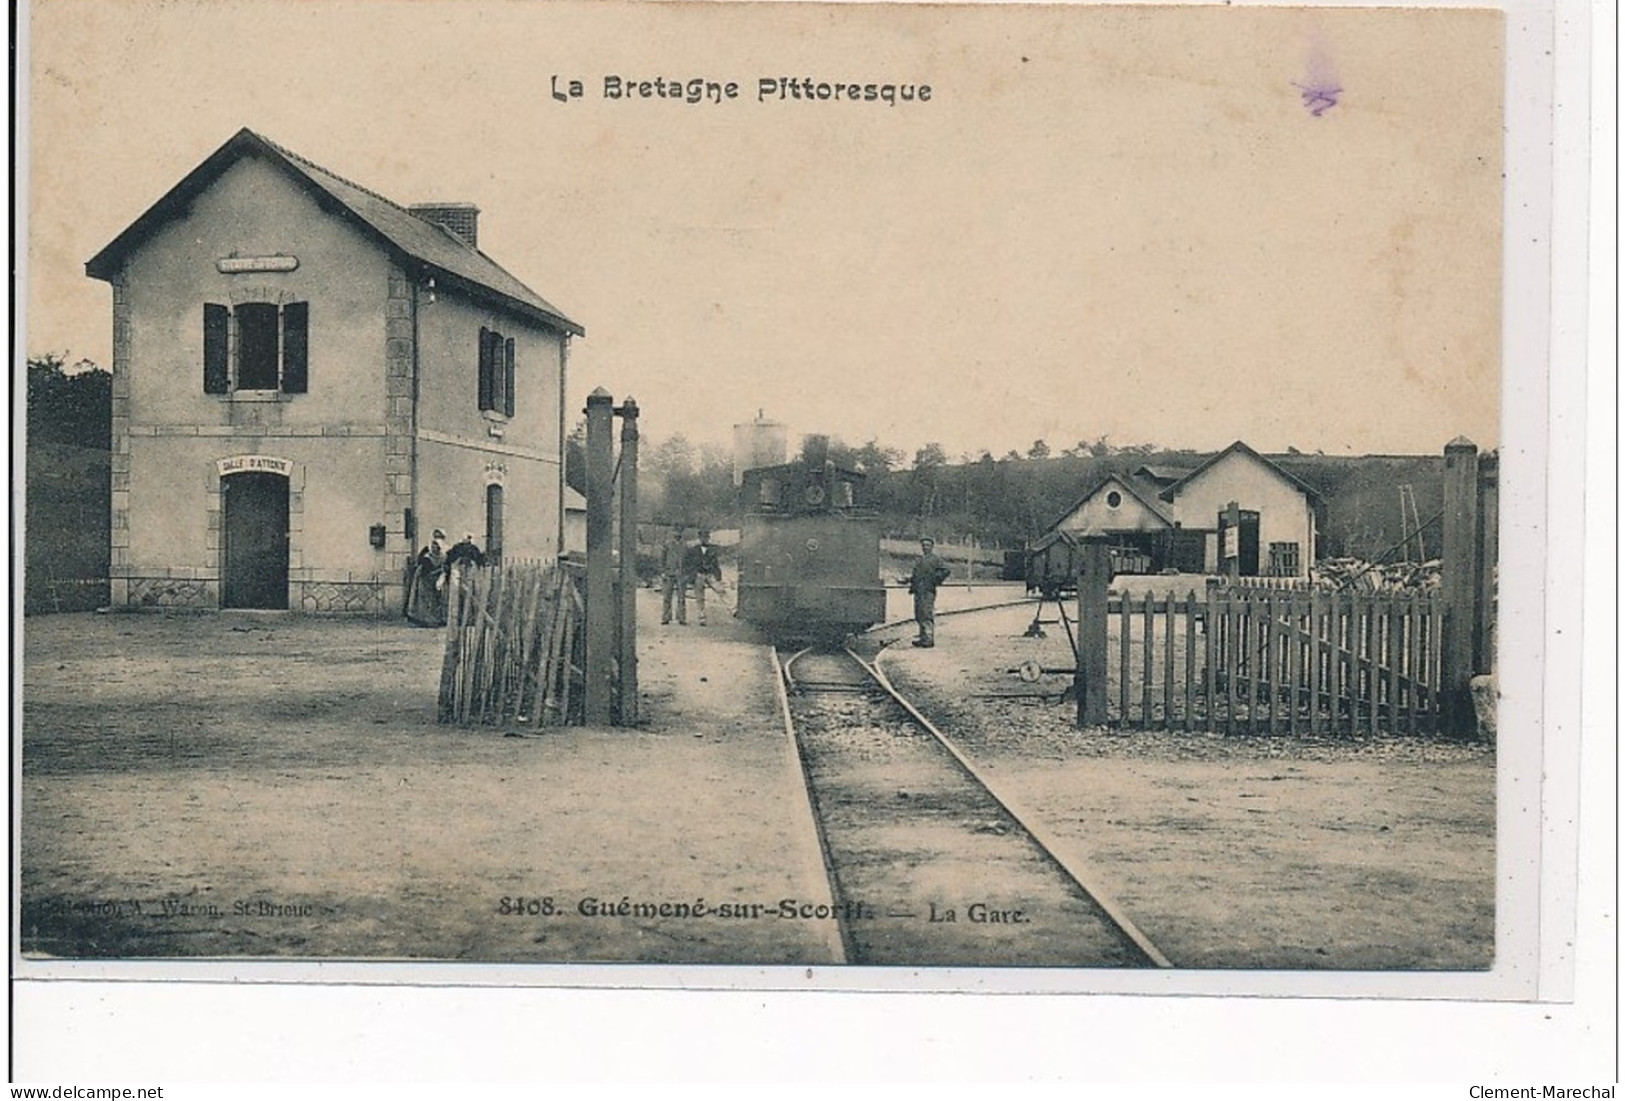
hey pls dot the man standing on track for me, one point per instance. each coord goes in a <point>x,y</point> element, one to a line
<point>929,573</point>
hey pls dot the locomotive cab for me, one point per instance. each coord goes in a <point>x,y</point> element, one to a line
<point>809,560</point>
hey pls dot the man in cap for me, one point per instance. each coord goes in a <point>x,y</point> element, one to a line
<point>929,572</point>
<point>673,577</point>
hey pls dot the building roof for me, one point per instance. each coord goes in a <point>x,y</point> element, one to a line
<point>1052,536</point>
<point>1162,475</point>
<point>1142,492</point>
<point>574,501</point>
<point>432,249</point>
<point>1172,491</point>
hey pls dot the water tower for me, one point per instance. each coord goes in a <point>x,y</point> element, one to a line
<point>761,442</point>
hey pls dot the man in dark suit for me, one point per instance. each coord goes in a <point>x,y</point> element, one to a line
<point>702,565</point>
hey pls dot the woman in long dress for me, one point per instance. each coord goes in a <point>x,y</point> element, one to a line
<point>426,588</point>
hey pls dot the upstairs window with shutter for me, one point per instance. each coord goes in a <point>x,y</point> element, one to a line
<point>216,349</point>
<point>486,387</point>
<point>256,346</point>
<point>496,373</point>
<point>296,348</point>
<point>507,377</point>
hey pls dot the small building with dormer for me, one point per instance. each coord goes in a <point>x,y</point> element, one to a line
<point>1180,518</point>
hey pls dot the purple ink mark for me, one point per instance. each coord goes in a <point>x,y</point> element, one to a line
<point>1318,98</point>
<point>1320,85</point>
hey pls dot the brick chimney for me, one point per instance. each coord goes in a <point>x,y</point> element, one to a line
<point>463,219</point>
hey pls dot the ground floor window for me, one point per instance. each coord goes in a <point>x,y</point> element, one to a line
<point>1284,560</point>
<point>493,523</point>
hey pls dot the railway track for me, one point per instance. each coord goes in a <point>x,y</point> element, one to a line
<point>928,865</point>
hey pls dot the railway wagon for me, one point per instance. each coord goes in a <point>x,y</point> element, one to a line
<point>809,551</point>
<point>1054,561</point>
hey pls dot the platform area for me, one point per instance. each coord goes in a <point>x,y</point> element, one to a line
<point>276,786</point>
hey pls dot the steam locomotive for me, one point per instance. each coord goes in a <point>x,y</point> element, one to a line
<point>809,552</point>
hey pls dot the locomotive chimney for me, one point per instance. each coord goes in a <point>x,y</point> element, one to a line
<point>815,450</point>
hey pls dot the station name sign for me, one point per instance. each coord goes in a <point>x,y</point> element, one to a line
<point>234,265</point>
<point>240,464</point>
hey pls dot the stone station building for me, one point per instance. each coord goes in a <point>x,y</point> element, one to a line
<point>307,379</point>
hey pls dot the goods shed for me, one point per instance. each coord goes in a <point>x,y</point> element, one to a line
<point>1176,518</point>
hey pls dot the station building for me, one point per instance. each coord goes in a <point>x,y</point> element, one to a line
<point>1175,517</point>
<point>308,379</point>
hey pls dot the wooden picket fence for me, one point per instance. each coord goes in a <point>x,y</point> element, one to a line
<point>1274,584</point>
<point>513,646</point>
<point>1266,661</point>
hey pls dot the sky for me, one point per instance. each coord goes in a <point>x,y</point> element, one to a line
<point>1181,226</point>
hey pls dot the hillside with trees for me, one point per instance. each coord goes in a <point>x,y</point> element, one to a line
<point>1008,500</point>
<point>997,501</point>
<point>68,491</point>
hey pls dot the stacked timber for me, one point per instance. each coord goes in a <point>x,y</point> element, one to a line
<point>1358,575</point>
<point>513,646</point>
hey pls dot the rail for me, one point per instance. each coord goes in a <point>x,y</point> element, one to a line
<point>1046,841</point>
<point>1047,845</point>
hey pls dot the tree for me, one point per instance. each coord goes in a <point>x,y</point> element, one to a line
<point>575,457</point>
<point>672,456</point>
<point>681,484</point>
<point>1039,450</point>
<point>928,463</point>
<point>873,459</point>
<point>930,457</point>
<point>69,405</point>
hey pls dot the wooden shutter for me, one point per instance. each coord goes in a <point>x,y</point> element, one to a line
<point>295,347</point>
<point>216,367</point>
<point>485,368</point>
<point>507,381</point>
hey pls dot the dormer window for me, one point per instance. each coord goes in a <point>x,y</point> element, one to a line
<point>496,373</point>
<point>256,346</point>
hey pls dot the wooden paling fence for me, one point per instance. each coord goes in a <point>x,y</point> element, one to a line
<point>513,646</point>
<point>1274,584</point>
<point>1263,661</point>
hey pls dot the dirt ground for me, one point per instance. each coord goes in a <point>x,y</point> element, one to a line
<point>275,786</point>
<point>272,785</point>
<point>1241,852</point>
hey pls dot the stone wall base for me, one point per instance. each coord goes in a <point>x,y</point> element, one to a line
<point>363,598</point>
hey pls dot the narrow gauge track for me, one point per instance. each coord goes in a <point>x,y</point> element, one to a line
<point>928,866</point>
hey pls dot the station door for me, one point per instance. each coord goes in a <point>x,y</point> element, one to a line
<point>254,528</point>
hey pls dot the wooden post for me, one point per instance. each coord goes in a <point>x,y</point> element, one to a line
<point>1459,583</point>
<point>1093,582</point>
<point>627,637</point>
<point>1230,543</point>
<point>601,616</point>
<point>1489,553</point>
